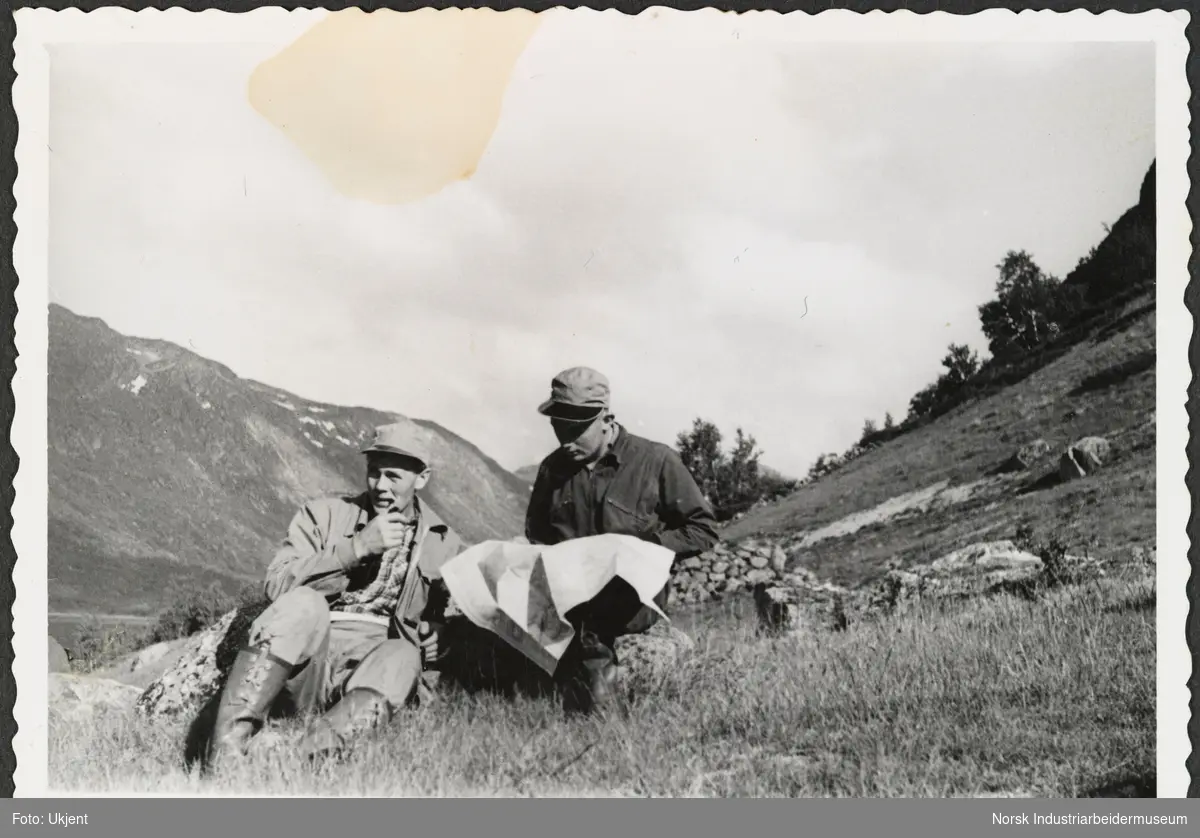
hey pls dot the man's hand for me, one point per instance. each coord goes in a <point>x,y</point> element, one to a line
<point>428,636</point>
<point>382,534</point>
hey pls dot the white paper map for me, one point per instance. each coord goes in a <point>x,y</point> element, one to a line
<point>520,591</point>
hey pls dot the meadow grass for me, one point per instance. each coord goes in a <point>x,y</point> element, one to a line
<point>1051,697</point>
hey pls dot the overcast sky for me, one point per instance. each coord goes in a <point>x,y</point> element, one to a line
<point>782,237</point>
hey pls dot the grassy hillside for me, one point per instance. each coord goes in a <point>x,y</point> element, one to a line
<point>1103,386</point>
<point>166,469</point>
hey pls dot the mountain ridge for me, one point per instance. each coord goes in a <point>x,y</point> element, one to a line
<point>168,469</point>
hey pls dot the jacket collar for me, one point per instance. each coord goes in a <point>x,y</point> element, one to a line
<point>619,444</point>
<point>429,520</point>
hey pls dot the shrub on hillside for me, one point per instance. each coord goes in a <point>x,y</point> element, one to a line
<point>192,610</point>
<point>734,481</point>
<point>961,364</point>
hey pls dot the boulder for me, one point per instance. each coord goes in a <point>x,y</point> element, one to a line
<point>198,671</point>
<point>59,662</point>
<point>975,570</point>
<point>80,696</point>
<point>788,609</point>
<point>148,656</point>
<point>145,666</point>
<point>643,659</point>
<point>759,562</point>
<point>1084,457</point>
<point>690,563</point>
<point>984,557</point>
<point>1026,456</point>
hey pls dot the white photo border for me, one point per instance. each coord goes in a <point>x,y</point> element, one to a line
<point>39,28</point>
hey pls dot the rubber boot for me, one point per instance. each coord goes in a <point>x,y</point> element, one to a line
<point>255,680</point>
<point>592,682</point>
<point>360,710</point>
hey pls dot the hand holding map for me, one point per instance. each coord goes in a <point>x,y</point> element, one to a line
<point>520,592</point>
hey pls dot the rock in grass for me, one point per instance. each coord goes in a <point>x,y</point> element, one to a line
<point>1085,457</point>
<point>790,608</point>
<point>1026,456</point>
<point>645,659</point>
<point>80,696</point>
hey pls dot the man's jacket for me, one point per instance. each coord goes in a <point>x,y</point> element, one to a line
<point>318,551</point>
<point>638,488</point>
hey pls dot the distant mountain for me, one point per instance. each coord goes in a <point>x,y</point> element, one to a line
<point>167,468</point>
<point>527,473</point>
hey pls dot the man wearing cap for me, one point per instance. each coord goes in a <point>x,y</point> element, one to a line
<point>356,604</point>
<point>603,479</point>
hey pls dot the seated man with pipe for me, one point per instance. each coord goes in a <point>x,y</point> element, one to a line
<point>356,606</point>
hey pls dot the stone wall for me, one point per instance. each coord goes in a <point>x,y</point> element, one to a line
<point>729,568</point>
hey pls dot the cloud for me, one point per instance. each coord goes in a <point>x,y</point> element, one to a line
<point>784,237</point>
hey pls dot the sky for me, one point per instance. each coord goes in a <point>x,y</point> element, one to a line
<point>782,237</point>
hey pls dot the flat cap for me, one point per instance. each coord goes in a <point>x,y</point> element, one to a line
<point>577,394</point>
<point>400,438</point>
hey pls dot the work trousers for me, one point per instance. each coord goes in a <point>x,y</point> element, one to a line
<point>330,658</point>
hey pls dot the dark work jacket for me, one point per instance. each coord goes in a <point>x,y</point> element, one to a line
<point>638,488</point>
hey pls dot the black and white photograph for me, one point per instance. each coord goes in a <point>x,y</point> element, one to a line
<point>473,403</point>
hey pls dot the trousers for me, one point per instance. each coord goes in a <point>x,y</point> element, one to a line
<point>331,658</point>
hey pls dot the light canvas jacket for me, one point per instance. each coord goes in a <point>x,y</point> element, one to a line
<point>318,551</point>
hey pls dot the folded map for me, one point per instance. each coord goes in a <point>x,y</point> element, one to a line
<point>520,591</point>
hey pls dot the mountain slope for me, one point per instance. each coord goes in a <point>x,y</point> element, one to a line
<point>1103,386</point>
<point>939,485</point>
<point>165,467</point>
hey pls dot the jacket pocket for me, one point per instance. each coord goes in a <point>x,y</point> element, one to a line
<point>623,518</point>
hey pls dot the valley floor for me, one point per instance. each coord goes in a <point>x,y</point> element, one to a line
<point>1003,696</point>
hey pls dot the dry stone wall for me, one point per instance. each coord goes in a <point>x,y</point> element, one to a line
<point>727,569</point>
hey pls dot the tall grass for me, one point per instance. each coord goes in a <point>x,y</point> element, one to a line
<point>1052,697</point>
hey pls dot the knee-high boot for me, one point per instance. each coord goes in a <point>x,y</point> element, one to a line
<point>255,681</point>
